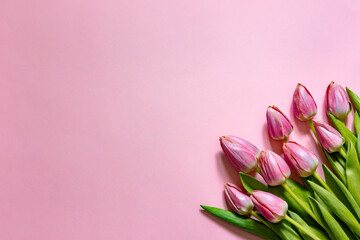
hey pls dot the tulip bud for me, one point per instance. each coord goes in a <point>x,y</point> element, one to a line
<point>238,201</point>
<point>337,101</point>
<point>304,105</point>
<point>273,168</point>
<point>300,158</point>
<point>273,208</point>
<point>241,153</point>
<point>329,137</point>
<point>279,126</point>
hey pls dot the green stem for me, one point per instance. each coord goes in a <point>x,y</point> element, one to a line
<point>323,183</point>
<point>259,218</point>
<point>313,129</point>
<point>310,234</point>
<point>257,169</point>
<point>300,202</point>
<point>342,152</point>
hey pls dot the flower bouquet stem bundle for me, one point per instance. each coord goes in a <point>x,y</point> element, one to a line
<point>322,209</point>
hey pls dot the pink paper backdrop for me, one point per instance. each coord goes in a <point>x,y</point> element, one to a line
<point>111,110</point>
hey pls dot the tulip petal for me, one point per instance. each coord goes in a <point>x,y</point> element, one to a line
<point>338,102</point>
<point>304,105</point>
<point>273,168</point>
<point>343,130</point>
<point>241,153</point>
<point>238,200</point>
<point>279,126</point>
<point>300,158</point>
<point>270,206</point>
<point>329,137</point>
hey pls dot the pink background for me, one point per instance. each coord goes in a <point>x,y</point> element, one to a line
<point>111,110</point>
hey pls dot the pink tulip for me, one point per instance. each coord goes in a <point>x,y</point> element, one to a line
<point>304,105</point>
<point>241,153</point>
<point>273,208</point>
<point>273,168</point>
<point>329,137</point>
<point>300,158</point>
<point>337,101</point>
<point>238,201</point>
<point>279,126</point>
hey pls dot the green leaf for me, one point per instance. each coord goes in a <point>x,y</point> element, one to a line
<point>319,232</point>
<point>316,231</point>
<point>299,190</point>
<point>250,183</point>
<point>318,214</point>
<point>354,98</point>
<point>346,229</point>
<point>353,172</point>
<point>340,159</point>
<point>317,198</point>
<point>357,123</point>
<point>285,230</point>
<point>337,207</point>
<point>313,179</point>
<point>344,131</point>
<point>334,226</point>
<point>358,147</point>
<point>341,192</point>
<point>248,224</point>
<point>338,168</point>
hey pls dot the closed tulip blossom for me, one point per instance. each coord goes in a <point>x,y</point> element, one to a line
<point>300,158</point>
<point>329,137</point>
<point>337,101</point>
<point>238,201</point>
<point>275,171</point>
<point>273,208</point>
<point>279,126</point>
<point>273,168</point>
<point>304,106</point>
<point>242,154</point>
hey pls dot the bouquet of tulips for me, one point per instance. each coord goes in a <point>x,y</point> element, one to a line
<point>281,208</point>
